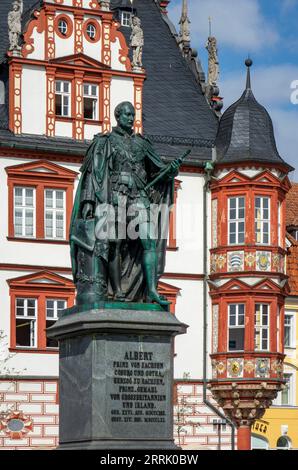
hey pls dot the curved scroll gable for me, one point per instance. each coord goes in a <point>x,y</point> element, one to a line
<point>40,23</point>
<point>123,51</point>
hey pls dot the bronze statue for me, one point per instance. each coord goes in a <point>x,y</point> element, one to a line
<point>122,179</point>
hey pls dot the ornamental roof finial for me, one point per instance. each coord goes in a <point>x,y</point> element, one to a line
<point>184,33</point>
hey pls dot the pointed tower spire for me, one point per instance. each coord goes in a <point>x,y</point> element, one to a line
<point>248,64</point>
<point>184,34</point>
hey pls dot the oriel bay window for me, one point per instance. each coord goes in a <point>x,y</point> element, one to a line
<point>262,220</point>
<point>40,201</point>
<point>236,333</point>
<point>261,327</point>
<point>236,220</point>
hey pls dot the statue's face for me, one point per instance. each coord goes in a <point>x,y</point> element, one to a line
<point>126,117</point>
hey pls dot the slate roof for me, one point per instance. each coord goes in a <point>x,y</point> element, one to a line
<point>292,207</point>
<point>173,100</point>
<point>175,112</point>
<point>246,132</point>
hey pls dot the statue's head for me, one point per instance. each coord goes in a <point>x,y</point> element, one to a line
<point>125,115</point>
<point>15,6</point>
<point>136,21</point>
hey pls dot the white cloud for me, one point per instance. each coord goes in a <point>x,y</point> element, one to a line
<point>271,85</point>
<point>236,23</point>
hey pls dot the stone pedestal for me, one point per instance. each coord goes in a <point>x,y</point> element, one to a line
<point>116,378</point>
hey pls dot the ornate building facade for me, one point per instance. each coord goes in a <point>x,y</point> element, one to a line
<point>60,80</point>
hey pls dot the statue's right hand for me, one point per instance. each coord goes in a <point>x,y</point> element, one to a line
<point>87,211</point>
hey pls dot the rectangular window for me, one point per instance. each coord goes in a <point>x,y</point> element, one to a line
<point>90,102</point>
<point>262,220</point>
<point>55,213</point>
<point>261,327</point>
<point>26,316</point>
<point>54,308</point>
<point>279,225</point>
<point>24,212</point>
<point>219,423</point>
<point>236,327</point>
<point>288,331</point>
<point>62,98</point>
<point>126,18</point>
<point>236,220</point>
<point>286,393</point>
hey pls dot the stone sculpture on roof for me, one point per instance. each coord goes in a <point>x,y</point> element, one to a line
<point>137,43</point>
<point>213,62</point>
<point>14,25</point>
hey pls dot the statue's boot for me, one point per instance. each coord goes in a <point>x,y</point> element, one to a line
<point>150,270</point>
<point>115,278</point>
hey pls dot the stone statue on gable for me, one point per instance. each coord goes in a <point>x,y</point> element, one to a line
<point>137,43</point>
<point>14,25</point>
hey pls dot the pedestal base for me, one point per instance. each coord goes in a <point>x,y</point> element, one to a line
<point>116,379</point>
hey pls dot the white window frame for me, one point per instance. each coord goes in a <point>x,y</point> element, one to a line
<point>64,95</point>
<point>236,326</point>
<point>126,18</point>
<point>33,320</point>
<point>262,327</point>
<point>292,388</point>
<point>93,35</point>
<point>64,33</point>
<point>262,220</point>
<point>290,315</point>
<point>279,224</point>
<point>23,209</point>
<point>236,221</point>
<point>56,300</point>
<point>54,210</point>
<point>95,99</point>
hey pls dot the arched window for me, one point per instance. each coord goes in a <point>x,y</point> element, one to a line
<point>283,443</point>
<point>2,92</point>
<point>259,443</point>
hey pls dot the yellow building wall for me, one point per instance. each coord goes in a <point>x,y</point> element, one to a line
<point>276,417</point>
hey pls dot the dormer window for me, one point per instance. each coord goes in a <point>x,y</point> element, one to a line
<point>90,101</point>
<point>126,18</point>
<point>62,96</point>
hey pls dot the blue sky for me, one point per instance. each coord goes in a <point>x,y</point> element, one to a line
<point>267,30</point>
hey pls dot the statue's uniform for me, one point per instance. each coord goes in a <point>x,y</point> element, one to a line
<point>115,174</point>
<point>128,170</point>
